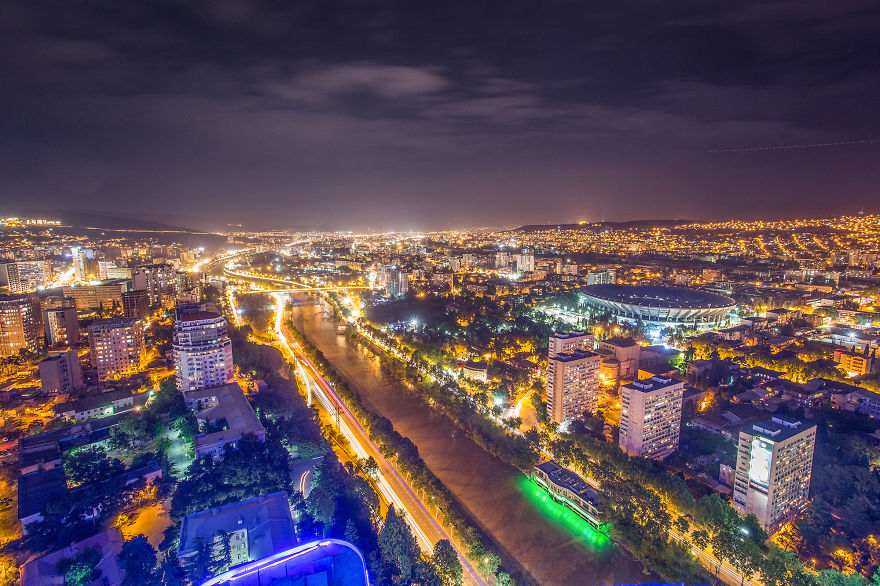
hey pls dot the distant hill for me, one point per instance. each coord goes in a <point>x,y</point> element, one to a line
<point>595,225</point>
<point>86,219</point>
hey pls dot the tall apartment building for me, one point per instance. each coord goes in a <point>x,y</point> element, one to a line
<point>650,417</point>
<point>117,346</point>
<point>572,385</point>
<point>61,373</point>
<point>84,266</point>
<point>157,279</point>
<point>21,324</point>
<point>773,470</point>
<point>60,322</point>
<point>525,262</point>
<point>396,282</point>
<point>24,276</point>
<point>136,304</point>
<point>202,348</point>
<point>573,340</point>
<point>606,277</point>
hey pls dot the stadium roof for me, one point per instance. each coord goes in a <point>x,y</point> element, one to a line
<point>657,296</point>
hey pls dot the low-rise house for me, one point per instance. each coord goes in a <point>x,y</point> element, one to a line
<point>224,407</point>
<point>97,405</point>
<point>43,571</point>
<point>475,370</point>
<point>35,490</point>
<point>253,529</point>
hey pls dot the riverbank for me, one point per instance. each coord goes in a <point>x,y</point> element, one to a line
<point>489,490</point>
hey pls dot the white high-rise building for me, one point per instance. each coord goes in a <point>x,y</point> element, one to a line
<point>25,276</point>
<point>202,348</point>
<point>572,385</point>
<point>606,277</point>
<point>573,340</point>
<point>396,282</point>
<point>650,417</point>
<point>81,258</point>
<point>502,260</point>
<point>773,470</point>
<point>525,262</point>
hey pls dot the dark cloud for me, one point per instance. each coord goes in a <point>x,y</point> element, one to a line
<point>418,114</point>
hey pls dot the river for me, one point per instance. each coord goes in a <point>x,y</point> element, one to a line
<point>551,545</point>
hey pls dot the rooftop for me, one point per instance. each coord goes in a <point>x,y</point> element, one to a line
<point>38,488</point>
<point>329,561</point>
<point>620,342</point>
<point>230,405</point>
<point>656,296</point>
<point>779,428</point>
<point>567,479</point>
<point>572,356</point>
<point>267,520</point>
<point>94,401</point>
<point>569,335</point>
<point>42,571</point>
<point>655,383</point>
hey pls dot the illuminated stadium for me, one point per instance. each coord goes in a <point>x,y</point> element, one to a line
<point>659,306</point>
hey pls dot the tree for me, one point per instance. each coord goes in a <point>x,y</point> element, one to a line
<point>447,562</point>
<point>835,578</point>
<point>91,465</point>
<point>782,568</point>
<point>398,547</point>
<point>368,466</point>
<point>321,506</point>
<point>80,570</point>
<point>351,533</point>
<point>138,558</point>
<point>488,563</point>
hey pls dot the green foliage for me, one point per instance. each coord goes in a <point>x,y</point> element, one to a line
<point>249,469</point>
<point>138,558</point>
<point>320,505</point>
<point>447,562</point>
<point>398,548</point>
<point>80,570</point>
<point>90,465</point>
<point>166,400</point>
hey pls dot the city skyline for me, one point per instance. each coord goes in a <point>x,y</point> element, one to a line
<point>431,117</point>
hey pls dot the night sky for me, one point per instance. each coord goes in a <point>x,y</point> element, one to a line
<point>425,115</point>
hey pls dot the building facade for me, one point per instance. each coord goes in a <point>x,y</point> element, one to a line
<point>573,340</point>
<point>25,276</point>
<point>61,373</point>
<point>202,349</point>
<point>572,385</point>
<point>156,279</point>
<point>21,326</point>
<point>773,470</point>
<point>855,361</point>
<point>60,323</point>
<point>136,304</point>
<point>627,353</point>
<point>650,417</point>
<point>117,346</point>
<point>606,277</point>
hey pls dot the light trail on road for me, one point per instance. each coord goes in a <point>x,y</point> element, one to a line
<point>390,483</point>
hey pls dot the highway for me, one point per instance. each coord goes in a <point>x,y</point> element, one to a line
<point>393,487</point>
<point>297,287</point>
